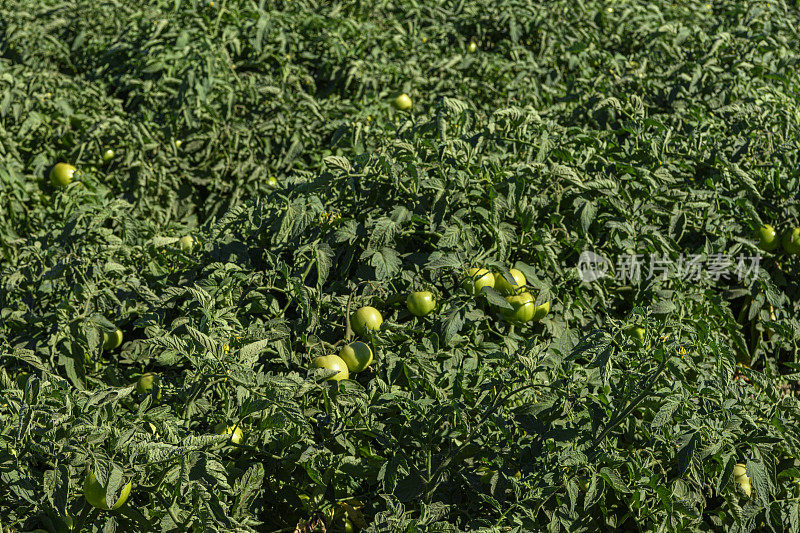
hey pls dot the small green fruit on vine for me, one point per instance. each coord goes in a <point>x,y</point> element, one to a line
<point>236,434</point>
<point>113,340</point>
<point>402,102</point>
<point>357,356</point>
<point>366,319</point>
<point>95,493</point>
<point>791,241</point>
<point>477,278</point>
<point>420,303</point>
<point>502,285</point>
<point>186,243</point>
<point>767,238</point>
<point>523,308</point>
<point>332,362</point>
<point>147,382</point>
<point>61,174</point>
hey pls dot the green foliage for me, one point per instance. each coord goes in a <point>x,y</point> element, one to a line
<point>666,129</point>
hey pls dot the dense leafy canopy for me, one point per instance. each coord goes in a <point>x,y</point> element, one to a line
<point>664,129</point>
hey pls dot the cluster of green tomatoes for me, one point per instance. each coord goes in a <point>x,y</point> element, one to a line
<point>357,356</point>
<point>768,239</point>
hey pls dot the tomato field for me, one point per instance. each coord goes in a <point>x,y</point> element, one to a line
<point>294,266</point>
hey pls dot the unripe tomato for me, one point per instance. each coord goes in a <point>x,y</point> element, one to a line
<point>178,143</point>
<point>146,382</point>
<point>476,279</point>
<point>186,243</point>
<point>744,484</point>
<point>739,470</point>
<point>420,303</point>
<point>366,319</point>
<point>113,340</point>
<point>637,333</point>
<point>767,238</point>
<point>471,47</point>
<point>235,432</point>
<point>791,241</point>
<point>95,493</point>
<point>332,362</point>
<point>61,174</point>
<point>524,308</point>
<point>108,155</point>
<point>357,356</point>
<point>502,285</point>
<point>272,182</point>
<point>541,311</point>
<point>402,102</point>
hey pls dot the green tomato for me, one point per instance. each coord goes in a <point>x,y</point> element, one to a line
<point>402,102</point>
<point>476,279</point>
<point>61,174</point>
<point>357,356</point>
<point>235,432</point>
<point>745,485</point>
<point>108,155</point>
<point>791,241</point>
<point>636,333</point>
<point>332,362</point>
<point>471,47</point>
<point>420,303</point>
<point>178,143</point>
<point>272,182</point>
<point>113,340</point>
<point>186,243</point>
<point>541,311</point>
<point>95,493</point>
<point>767,238</point>
<point>739,470</point>
<point>502,285</point>
<point>146,382</point>
<point>366,319</point>
<point>349,527</point>
<point>524,308</point>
